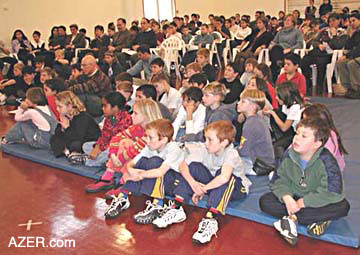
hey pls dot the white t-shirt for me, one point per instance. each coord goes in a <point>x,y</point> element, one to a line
<point>193,126</point>
<point>172,155</point>
<point>293,113</point>
<point>172,100</point>
<point>197,152</point>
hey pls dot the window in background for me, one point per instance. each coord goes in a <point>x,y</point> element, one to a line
<point>159,9</point>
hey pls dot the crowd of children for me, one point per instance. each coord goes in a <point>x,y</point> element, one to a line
<point>202,136</point>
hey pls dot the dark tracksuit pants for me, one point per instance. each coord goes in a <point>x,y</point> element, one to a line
<point>153,187</point>
<point>218,197</point>
<point>270,204</point>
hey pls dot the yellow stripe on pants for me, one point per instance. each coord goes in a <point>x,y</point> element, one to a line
<point>226,196</point>
<point>158,191</point>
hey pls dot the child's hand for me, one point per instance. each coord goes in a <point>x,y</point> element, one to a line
<point>291,205</point>
<point>126,143</point>
<point>115,160</point>
<point>135,174</point>
<point>190,108</point>
<point>94,153</point>
<point>197,187</point>
<point>64,122</point>
<point>196,199</point>
<point>24,105</point>
<point>267,111</point>
<point>300,203</point>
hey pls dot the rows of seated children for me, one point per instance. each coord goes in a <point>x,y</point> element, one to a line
<point>223,124</point>
<point>281,35</point>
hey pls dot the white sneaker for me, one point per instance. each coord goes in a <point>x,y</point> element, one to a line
<point>287,228</point>
<point>207,228</point>
<point>2,99</point>
<point>116,207</point>
<point>151,212</point>
<point>169,216</point>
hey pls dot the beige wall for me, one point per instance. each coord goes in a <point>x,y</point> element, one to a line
<point>228,7</point>
<point>43,14</point>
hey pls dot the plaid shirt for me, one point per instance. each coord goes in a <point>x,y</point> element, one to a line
<point>112,126</point>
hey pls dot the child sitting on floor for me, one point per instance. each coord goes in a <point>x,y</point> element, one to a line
<point>126,89</point>
<point>307,187</point>
<point>213,168</point>
<point>117,119</point>
<point>152,172</point>
<point>255,143</point>
<point>191,116</point>
<point>291,65</point>
<point>190,70</point>
<point>334,143</point>
<point>51,88</point>
<point>284,120</point>
<point>250,64</point>
<point>149,91</point>
<point>125,146</point>
<point>213,96</point>
<point>198,80</point>
<point>264,72</point>
<point>203,58</point>
<point>35,122</point>
<point>167,95</point>
<point>75,128</point>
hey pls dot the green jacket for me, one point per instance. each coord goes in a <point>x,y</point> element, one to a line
<point>322,175</point>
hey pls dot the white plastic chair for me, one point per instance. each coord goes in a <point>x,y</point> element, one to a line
<point>236,50</point>
<point>330,70</point>
<point>264,57</point>
<point>214,50</point>
<point>301,52</point>
<point>171,47</point>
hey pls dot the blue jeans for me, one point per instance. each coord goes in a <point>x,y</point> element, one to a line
<point>101,158</point>
<point>26,132</point>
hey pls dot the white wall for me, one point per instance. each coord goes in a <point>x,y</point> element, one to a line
<point>30,15</point>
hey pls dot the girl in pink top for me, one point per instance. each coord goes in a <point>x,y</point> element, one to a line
<point>35,122</point>
<point>334,143</point>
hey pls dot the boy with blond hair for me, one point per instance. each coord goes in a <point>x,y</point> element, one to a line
<point>213,168</point>
<point>152,172</point>
<point>255,143</point>
<point>213,96</point>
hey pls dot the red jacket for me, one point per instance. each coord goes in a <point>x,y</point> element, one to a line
<point>298,79</point>
<point>136,134</point>
<point>112,126</point>
<point>52,105</point>
<point>272,93</point>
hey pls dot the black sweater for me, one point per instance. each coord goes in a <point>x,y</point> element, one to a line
<point>147,37</point>
<point>82,129</point>
<point>235,88</point>
<point>264,38</point>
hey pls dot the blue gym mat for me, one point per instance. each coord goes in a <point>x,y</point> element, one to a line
<point>45,157</point>
<point>345,231</point>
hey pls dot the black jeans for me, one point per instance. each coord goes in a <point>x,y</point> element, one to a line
<point>320,59</point>
<point>12,62</point>
<point>276,54</point>
<point>270,204</point>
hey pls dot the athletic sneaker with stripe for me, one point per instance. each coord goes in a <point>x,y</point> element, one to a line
<point>287,228</point>
<point>171,215</point>
<point>207,228</point>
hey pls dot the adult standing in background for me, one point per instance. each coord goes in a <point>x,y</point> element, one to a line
<point>326,7</point>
